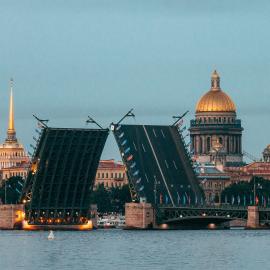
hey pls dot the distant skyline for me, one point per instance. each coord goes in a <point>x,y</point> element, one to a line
<point>70,59</point>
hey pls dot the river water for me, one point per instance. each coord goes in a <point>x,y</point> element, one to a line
<point>128,250</point>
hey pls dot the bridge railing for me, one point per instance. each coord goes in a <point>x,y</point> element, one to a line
<point>225,207</point>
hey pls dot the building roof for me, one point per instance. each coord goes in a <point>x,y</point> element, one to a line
<point>110,164</point>
<point>215,100</point>
<point>211,172</point>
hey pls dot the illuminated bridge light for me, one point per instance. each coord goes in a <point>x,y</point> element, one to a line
<point>203,214</point>
<point>212,226</point>
<point>164,226</point>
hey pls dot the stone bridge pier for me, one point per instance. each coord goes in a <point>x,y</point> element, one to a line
<point>253,221</point>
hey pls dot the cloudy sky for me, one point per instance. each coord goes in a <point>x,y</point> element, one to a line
<point>70,59</point>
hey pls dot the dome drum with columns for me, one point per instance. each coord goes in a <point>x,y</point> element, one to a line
<point>216,133</point>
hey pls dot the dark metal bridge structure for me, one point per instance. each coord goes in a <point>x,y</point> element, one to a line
<point>205,215</point>
<point>61,177</point>
<point>200,215</point>
<point>160,172</point>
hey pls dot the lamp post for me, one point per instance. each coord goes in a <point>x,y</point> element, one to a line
<point>155,190</point>
<point>6,192</point>
<point>189,194</point>
<point>254,192</point>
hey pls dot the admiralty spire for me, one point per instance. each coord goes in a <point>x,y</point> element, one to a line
<point>13,159</point>
<point>11,133</point>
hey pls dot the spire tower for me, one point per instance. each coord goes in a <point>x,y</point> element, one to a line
<point>11,133</point>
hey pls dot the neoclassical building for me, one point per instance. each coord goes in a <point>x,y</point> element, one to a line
<point>111,174</point>
<point>13,159</point>
<point>216,133</point>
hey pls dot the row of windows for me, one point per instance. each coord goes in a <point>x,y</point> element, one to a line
<point>110,184</point>
<point>12,154</point>
<point>9,164</point>
<point>211,184</point>
<point>22,174</point>
<point>225,120</point>
<point>112,175</point>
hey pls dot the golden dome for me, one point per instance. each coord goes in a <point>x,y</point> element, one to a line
<point>215,100</point>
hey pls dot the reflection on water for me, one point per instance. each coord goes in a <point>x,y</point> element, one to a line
<point>117,249</point>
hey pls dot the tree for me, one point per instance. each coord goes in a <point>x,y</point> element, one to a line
<point>11,189</point>
<point>242,193</point>
<point>101,197</point>
<point>111,200</point>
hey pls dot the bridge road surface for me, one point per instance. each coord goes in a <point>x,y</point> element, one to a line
<point>157,163</point>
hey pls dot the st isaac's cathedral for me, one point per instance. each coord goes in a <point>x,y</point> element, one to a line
<point>216,144</point>
<point>216,133</point>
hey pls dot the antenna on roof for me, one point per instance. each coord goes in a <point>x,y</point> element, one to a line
<point>128,114</point>
<point>179,118</point>
<point>41,122</point>
<point>90,120</point>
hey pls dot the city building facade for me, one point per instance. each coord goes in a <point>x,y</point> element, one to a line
<point>111,174</point>
<point>213,181</point>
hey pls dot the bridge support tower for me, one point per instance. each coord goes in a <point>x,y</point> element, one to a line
<point>11,216</point>
<point>139,216</point>
<point>253,221</point>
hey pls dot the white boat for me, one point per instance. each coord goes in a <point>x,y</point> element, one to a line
<point>51,235</point>
<point>111,221</point>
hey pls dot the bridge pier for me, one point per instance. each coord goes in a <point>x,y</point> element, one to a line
<point>11,216</point>
<point>253,221</point>
<point>139,216</point>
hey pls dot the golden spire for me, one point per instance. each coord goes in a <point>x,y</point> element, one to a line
<point>11,133</point>
<point>11,109</point>
<point>215,81</point>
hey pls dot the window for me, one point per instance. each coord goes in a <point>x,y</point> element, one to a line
<point>200,145</point>
<point>220,140</point>
<point>208,144</point>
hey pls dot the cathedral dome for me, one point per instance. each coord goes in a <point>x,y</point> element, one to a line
<point>215,100</point>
